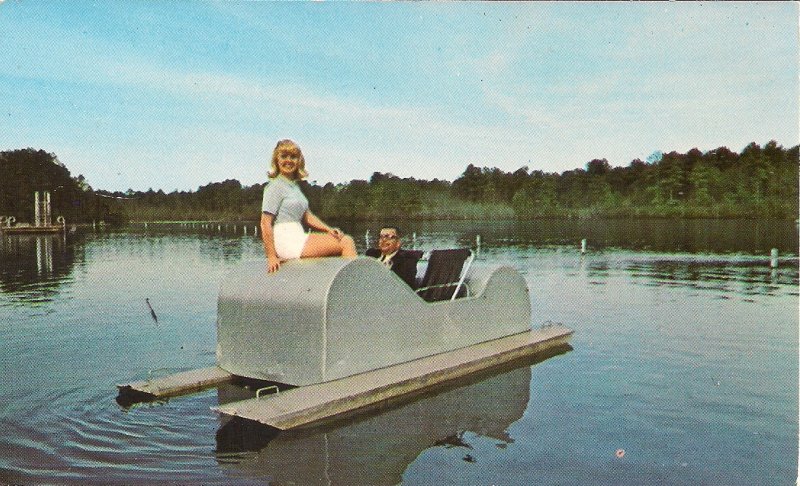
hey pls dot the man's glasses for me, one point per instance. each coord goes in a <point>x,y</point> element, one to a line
<point>387,237</point>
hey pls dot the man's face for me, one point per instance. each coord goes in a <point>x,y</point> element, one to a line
<point>388,241</point>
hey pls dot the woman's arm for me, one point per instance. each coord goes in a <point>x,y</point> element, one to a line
<point>314,222</point>
<point>273,262</point>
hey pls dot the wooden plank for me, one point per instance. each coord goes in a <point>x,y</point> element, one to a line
<point>308,404</point>
<point>18,230</point>
<point>178,383</point>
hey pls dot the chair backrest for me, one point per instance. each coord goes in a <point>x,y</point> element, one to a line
<point>442,277</point>
<point>416,254</point>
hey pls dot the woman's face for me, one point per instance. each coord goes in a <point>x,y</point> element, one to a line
<point>288,163</point>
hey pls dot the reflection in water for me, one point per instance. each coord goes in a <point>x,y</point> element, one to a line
<point>34,265</point>
<point>377,448</point>
<point>748,274</point>
<point>682,359</point>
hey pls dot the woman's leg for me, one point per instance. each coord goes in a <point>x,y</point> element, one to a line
<point>348,246</point>
<point>323,244</point>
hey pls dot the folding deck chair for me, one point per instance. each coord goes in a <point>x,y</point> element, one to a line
<point>444,277</point>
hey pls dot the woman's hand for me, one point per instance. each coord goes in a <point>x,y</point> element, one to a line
<point>273,264</point>
<point>336,233</point>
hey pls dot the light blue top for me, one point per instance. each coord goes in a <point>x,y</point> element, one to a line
<point>284,200</point>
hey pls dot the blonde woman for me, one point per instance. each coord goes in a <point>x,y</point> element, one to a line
<point>283,209</point>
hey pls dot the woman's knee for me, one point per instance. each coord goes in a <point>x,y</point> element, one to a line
<point>348,246</point>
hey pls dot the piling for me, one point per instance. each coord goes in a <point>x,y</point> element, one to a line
<point>583,246</point>
<point>37,209</point>
<point>414,240</point>
<point>773,260</point>
<point>477,246</point>
<point>366,238</point>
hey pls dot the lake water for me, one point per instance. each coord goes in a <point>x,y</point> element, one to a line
<point>683,367</point>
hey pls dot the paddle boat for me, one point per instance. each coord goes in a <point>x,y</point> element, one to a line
<point>349,334</point>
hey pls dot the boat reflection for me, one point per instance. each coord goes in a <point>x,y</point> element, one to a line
<point>378,447</point>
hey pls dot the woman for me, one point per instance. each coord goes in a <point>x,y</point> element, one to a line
<point>283,208</point>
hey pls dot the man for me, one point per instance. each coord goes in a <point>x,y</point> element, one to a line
<point>402,262</point>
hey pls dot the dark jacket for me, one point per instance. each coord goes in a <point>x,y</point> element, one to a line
<point>404,264</point>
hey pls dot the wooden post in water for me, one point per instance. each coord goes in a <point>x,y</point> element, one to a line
<point>414,240</point>
<point>773,261</point>
<point>37,209</point>
<point>477,246</point>
<point>366,238</point>
<point>583,246</point>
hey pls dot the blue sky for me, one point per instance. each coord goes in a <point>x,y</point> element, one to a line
<point>174,95</point>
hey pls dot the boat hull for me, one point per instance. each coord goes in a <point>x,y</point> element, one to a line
<point>318,320</point>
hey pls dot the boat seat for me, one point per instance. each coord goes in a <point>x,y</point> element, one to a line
<point>444,277</point>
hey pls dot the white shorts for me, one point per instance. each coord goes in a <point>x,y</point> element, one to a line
<point>289,240</point>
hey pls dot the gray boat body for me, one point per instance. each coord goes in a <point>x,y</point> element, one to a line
<point>318,320</point>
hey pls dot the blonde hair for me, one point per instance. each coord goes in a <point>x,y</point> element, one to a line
<point>287,145</point>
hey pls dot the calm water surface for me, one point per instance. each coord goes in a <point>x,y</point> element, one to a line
<point>685,356</point>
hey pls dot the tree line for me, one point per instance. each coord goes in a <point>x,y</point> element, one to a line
<point>757,182</point>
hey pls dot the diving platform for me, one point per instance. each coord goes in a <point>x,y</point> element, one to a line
<point>42,220</point>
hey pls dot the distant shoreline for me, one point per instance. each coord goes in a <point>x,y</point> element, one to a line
<point>415,219</point>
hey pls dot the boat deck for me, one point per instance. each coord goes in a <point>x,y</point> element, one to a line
<point>313,404</point>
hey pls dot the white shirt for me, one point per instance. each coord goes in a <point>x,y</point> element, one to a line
<point>387,259</point>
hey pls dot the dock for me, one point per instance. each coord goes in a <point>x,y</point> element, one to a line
<point>313,404</point>
<point>42,219</point>
<point>30,230</point>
